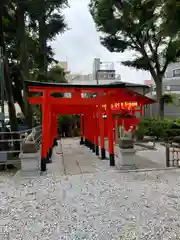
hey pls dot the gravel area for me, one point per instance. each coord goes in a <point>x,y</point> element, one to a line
<point>102,205</point>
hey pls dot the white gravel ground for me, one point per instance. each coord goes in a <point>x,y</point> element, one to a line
<point>102,205</point>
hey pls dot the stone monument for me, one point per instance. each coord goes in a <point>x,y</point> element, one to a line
<point>127,157</point>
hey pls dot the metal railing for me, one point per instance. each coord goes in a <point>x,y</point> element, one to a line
<point>172,155</point>
<point>11,143</point>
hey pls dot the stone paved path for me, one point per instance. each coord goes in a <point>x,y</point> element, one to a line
<point>76,159</point>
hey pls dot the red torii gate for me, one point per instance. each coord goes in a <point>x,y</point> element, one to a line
<point>91,112</point>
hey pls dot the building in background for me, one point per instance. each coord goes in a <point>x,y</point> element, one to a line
<point>79,78</point>
<point>171,81</point>
<point>149,82</point>
<point>104,72</point>
<point>171,85</point>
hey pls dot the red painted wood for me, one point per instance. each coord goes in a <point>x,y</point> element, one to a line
<point>93,126</point>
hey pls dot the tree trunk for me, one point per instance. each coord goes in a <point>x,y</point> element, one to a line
<point>10,100</point>
<point>159,94</point>
<point>23,64</point>
<point>7,82</point>
<point>42,41</point>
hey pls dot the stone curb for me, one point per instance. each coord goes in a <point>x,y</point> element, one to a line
<point>148,170</point>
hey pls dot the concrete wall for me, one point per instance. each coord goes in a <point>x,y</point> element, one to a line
<point>171,84</point>
<point>170,110</point>
<point>170,68</point>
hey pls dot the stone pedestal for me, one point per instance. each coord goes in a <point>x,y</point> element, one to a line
<point>30,164</point>
<point>126,143</point>
<point>127,159</point>
<point>3,157</point>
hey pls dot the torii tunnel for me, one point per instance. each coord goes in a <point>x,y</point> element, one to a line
<point>109,100</point>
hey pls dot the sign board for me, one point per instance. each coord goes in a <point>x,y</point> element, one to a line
<point>122,105</point>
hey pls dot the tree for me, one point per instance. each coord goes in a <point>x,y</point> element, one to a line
<point>171,16</point>
<point>8,86</point>
<point>136,25</point>
<point>46,18</point>
<point>56,74</point>
<point>24,45</point>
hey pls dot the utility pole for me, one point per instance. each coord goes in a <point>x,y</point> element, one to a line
<point>2,63</point>
<point>96,75</point>
<point>96,69</point>
<point>2,79</point>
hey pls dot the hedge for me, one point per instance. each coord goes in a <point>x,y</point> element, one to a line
<point>160,129</point>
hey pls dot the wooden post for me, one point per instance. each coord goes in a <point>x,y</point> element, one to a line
<point>45,132</point>
<point>110,134</point>
<point>101,130</point>
<point>86,141</point>
<point>93,131</point>
<point>116,130</point>
<point>90,124</point>
<point>141,110</point>
<point>87,126</point>
<point>96,135</point>
<point>167,155</point>
<point>50,134</point>
<point>55,121</point>
<point>87,131</point>
<point>81,129</point>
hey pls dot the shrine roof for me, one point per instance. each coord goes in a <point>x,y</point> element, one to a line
<point>66,85</point>
<point>129,84</point>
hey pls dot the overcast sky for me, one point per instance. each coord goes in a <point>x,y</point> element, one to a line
<point>80,45</point>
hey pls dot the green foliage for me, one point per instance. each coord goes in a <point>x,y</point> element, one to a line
<point>136,25</point>
<point>161,129</point>
<point>56,74</point>
<point>168,98</point>
<point>27,47</point>
<point>71,123</point>
<point>178,121</point>
<point>170,15</point>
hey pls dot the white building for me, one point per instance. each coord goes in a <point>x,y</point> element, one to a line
<point>171,85</point>
<point>171,81</point>
<point>102,73</point>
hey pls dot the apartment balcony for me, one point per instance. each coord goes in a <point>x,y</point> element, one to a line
<point>106,74</point>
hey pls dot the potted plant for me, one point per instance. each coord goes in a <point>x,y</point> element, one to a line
<point>126,138</point>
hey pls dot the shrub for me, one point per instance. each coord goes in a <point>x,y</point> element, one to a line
<point>161,129</point>
<point>178,121</point>
<point>171,133</point>
<point>140,132</point>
